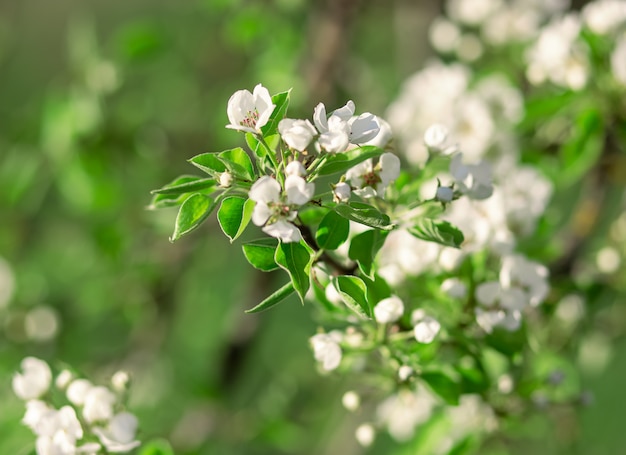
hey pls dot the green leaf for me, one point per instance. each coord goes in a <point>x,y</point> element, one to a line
<point>234,215</point>
<point>581,152</point>
<point>281,101</point>
<point>353,292</point>
<point>260,253</point>
<point>188,185</point>
<point>164,199</point>
<point>332,231</point>
<point>341,162</point>
<point>191,214</point>
<point>438,231</point>
<point>156,447</point>
<point>443,386</point>
<point>209,163</point>
<point>296,259</point>
<point>277,297</point>
<point>363,249</point>
<point>238,163</point>
<point>364,214</point>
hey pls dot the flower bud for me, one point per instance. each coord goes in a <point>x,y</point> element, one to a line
<point>295,168</point>
<point>444,194</point>
<point>226,179</point>
<point>351,400</point>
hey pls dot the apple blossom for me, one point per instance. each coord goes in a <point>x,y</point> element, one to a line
<point>444,194</point>
<point>297,134</point>
<point>99,402</point>
<point>388,310</point>
<point>119,435</point>
<point>426,327</point>
<point>249,112</point>
<point>365,434</point>
<point>326,350</point>
<point>370,180</point>
<point>275,209</point>
<point>34,380</point>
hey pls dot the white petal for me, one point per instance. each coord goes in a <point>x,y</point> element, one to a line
<point>261,214</point>
<point>283,230</point>
<point>319,118</point>
<point>390,168</point>
<point>345,112</point>
<point>363,128</point>
<point>263,105</point>
<point>295,168</point>
<point>298,191</point>
<point>265,190</point>
<point>458,170</point>
<point>426,330</point>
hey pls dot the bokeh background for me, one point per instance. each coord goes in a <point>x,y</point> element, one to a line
<point>102,101</point>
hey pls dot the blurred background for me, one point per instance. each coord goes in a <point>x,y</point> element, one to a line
<point>102,101</point>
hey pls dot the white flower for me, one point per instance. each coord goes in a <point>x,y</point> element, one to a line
<point>343,127</point>
<point>388,310</point>
<point>297,134</point>
<point>384,135</point>
<point>34,380</point>
<point>249,112</point>
<point>426,329</point>
<point>58,432</point>
<point>351,400</point>
<point>77,391</point>
<point>365,434</point>
<point>274,210</point>
<point>403,412</point>
<point>119,435</point>
<point>326,350</point>
<point>98,405</point>
<point>474,180</point>
<point>120,380</point>
<point>342,192</point>
<point>604,16</point>
<point>490,319</point>
<point>370,180</point>
<point>444,194</point>
<point>36,412</point>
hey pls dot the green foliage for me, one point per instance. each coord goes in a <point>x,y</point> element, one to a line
<point>295,259</point>
<point>274,299</point>
<point>333,231</point>
<point>234,215</point>
<point>353,292</point>
<point>260,253</point>
<point>364,214</point>
<point>441,232</point>
<point>191,214</point>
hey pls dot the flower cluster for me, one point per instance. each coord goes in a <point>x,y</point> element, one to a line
<point>92,420</point>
